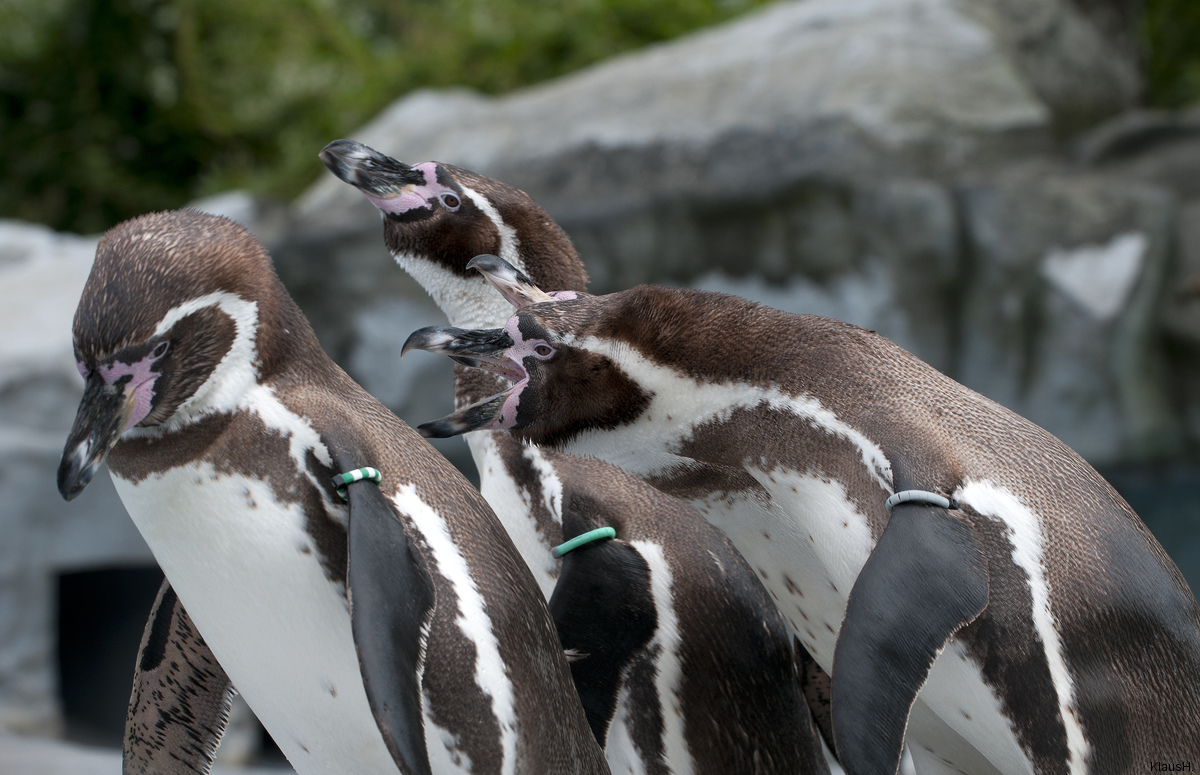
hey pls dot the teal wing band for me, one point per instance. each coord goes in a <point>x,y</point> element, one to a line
<point>599,534</point>
<point>357,475</point>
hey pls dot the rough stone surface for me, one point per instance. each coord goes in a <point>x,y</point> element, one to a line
<point>1078,56</point>
<point>794,90</point>
<point>1059,309</point>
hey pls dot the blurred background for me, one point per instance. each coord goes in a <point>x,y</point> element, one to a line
<point>1008,188</point>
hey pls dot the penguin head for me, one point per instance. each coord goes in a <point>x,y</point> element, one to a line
<point>556,352</point>
<point>166,329</point>
<point>445,215</point>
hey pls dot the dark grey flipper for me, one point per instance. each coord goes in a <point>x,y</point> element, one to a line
<point>602,610</point>
<point>391,600</point>
<point>180,700</point>
<point>925,579</point>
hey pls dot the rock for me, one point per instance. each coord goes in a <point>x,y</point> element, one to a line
<point>805,140</point>
<point>1181,313</point>
<point>1060,308</point>
<point>1079,56</point>
<point>266,219</point>
<point>795,91</point>
<point>1151,146</point>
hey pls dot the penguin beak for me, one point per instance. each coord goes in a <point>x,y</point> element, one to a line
<point>512,284</point>
<point>104,412</point>
<point>493,413</point>
<point>486,349</point>
<point>369,170</point>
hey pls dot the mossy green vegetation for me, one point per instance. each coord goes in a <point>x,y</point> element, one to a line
<point>1170,34</point>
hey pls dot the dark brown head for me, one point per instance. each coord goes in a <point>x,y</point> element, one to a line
<point>170,326</point>
<point>565,379</point>
<point>437,217</point>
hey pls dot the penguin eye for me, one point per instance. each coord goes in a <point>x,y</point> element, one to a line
<point>450,202</point>
<point>161,350</point>
<point>543,351</point>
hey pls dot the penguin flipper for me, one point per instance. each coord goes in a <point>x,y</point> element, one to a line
<point>925,579</point>
<point>181,696</point>
<point>391,599</point>
<point>603,611</point>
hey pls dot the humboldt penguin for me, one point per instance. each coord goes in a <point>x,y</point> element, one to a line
<point>437,217</point>
<point>970,583</point>
<point>352,586</point>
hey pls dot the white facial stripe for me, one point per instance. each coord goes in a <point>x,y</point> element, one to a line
<point>233,385</point>
<point>1024,530</point>
<point>238,369</point>
<point>491,674</point>
<point>669,674</point>
<point>678,396</point>
<point>509,243</point>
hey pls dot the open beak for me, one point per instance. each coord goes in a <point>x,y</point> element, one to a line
<point>486,349</point>
<point>369,170</point>
<point>512,284</point>
<point>104,411</point>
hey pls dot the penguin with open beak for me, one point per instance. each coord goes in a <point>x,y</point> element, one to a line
<point>971,584</point>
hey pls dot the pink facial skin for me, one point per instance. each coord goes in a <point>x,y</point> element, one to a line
<point>522,348</point>
<point>139,390</point>
<point>417,196</point>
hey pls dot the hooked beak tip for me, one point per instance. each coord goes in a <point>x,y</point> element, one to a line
<point>75,471</point>
<point>428,338</point>
<point>510,281</point>
<point>438,429</point>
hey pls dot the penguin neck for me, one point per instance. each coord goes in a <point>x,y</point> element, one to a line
<point>467,301</point>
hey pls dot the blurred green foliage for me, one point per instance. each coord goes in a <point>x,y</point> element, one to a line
<point>111,108</point>
<point>1171,52</point>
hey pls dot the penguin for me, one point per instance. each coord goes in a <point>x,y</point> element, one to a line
<point>677,650</point>
<point>436,218</point>
<point>970,584</point>
<point>385,625</point>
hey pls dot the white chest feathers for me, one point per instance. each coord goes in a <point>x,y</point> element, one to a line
<point>249,576</point>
